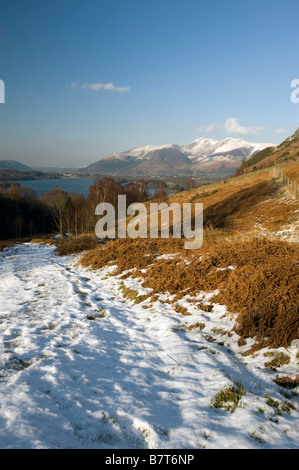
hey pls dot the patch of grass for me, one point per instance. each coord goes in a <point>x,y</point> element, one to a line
<point>261,410</point>
<point>194,326</point>
<point>205,307</point>
<point>208,194</point>
<point>133,294</point>
<point>269,354</point>
<point>101,312</point>
<point>44,241</point>
<point>287,382</point>
<point>229,398</point>
<point>242,342</point>
<point>280,407</point>
<point>217,331</point>
<point>210,338</point>
<point>207,435</point>
<point>258,435</point>
<point>180,309</point>
<point>74,245</point>
<point>9,243</point>
<point>273,403</point>
<point>280,359</point>
<point>81,293</point>
<point>6,244</point>
<point>247,353</point>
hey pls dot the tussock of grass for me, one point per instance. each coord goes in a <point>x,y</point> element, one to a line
<point>5,244</point>
<point>280,407</point>
<point>287,382</point>
<point>44,241</point>
<point>181,309</point>
<point>204,307</point>
<point>229,398</point>
<point>279,360</point>
<point>69,246</point>
<point>11,242</point>
<point>133,294</point>
<point>130,254</point>
<point>196,325</point>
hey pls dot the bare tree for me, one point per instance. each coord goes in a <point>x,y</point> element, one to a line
<point>57,199</point>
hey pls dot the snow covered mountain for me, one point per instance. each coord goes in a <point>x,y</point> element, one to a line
<point>202,149</point>
<point>201,155</point>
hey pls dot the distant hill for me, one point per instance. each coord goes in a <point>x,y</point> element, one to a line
<point>13,165</point>
<point>141,160</point>
<point>287,151</point>
<point>200,156</point>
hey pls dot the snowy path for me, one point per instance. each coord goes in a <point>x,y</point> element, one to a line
<point>131,378</point>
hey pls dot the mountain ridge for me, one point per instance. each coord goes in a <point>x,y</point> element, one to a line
<point>201,155</point>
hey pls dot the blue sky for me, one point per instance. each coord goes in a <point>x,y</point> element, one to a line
<point>87,78</point>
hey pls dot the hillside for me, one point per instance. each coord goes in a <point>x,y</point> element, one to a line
<point>245,219</point>
<point>13,165</point>
<point>202,156</point>
<point>143,344</point>
<point>285,153</point>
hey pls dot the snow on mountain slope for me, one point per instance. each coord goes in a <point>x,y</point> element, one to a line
<point>144,159</point>
<point>170,157</point>
<point>230,148</point>
<point>147,151</point>
<point>198,149</point>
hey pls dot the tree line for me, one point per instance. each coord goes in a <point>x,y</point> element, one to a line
<point>24,213</point>
<point>9,175</point>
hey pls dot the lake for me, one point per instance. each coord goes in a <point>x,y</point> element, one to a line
<point>70,185</point>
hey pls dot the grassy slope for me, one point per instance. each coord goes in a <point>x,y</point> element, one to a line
<point>292,171</point>
<point>244,206</point>
<point>248,221</point>
<point>286,152</point>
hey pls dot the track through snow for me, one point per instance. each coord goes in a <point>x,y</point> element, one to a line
<point>129,378</point>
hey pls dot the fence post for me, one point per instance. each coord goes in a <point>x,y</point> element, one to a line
<point>291,184</point>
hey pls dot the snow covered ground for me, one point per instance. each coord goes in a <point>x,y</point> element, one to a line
<point>83,367</point>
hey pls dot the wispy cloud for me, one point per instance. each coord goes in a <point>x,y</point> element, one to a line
<point>101,86</point>
<point>280,131</point>
<point>212,127</point>
<point>232,126</point>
